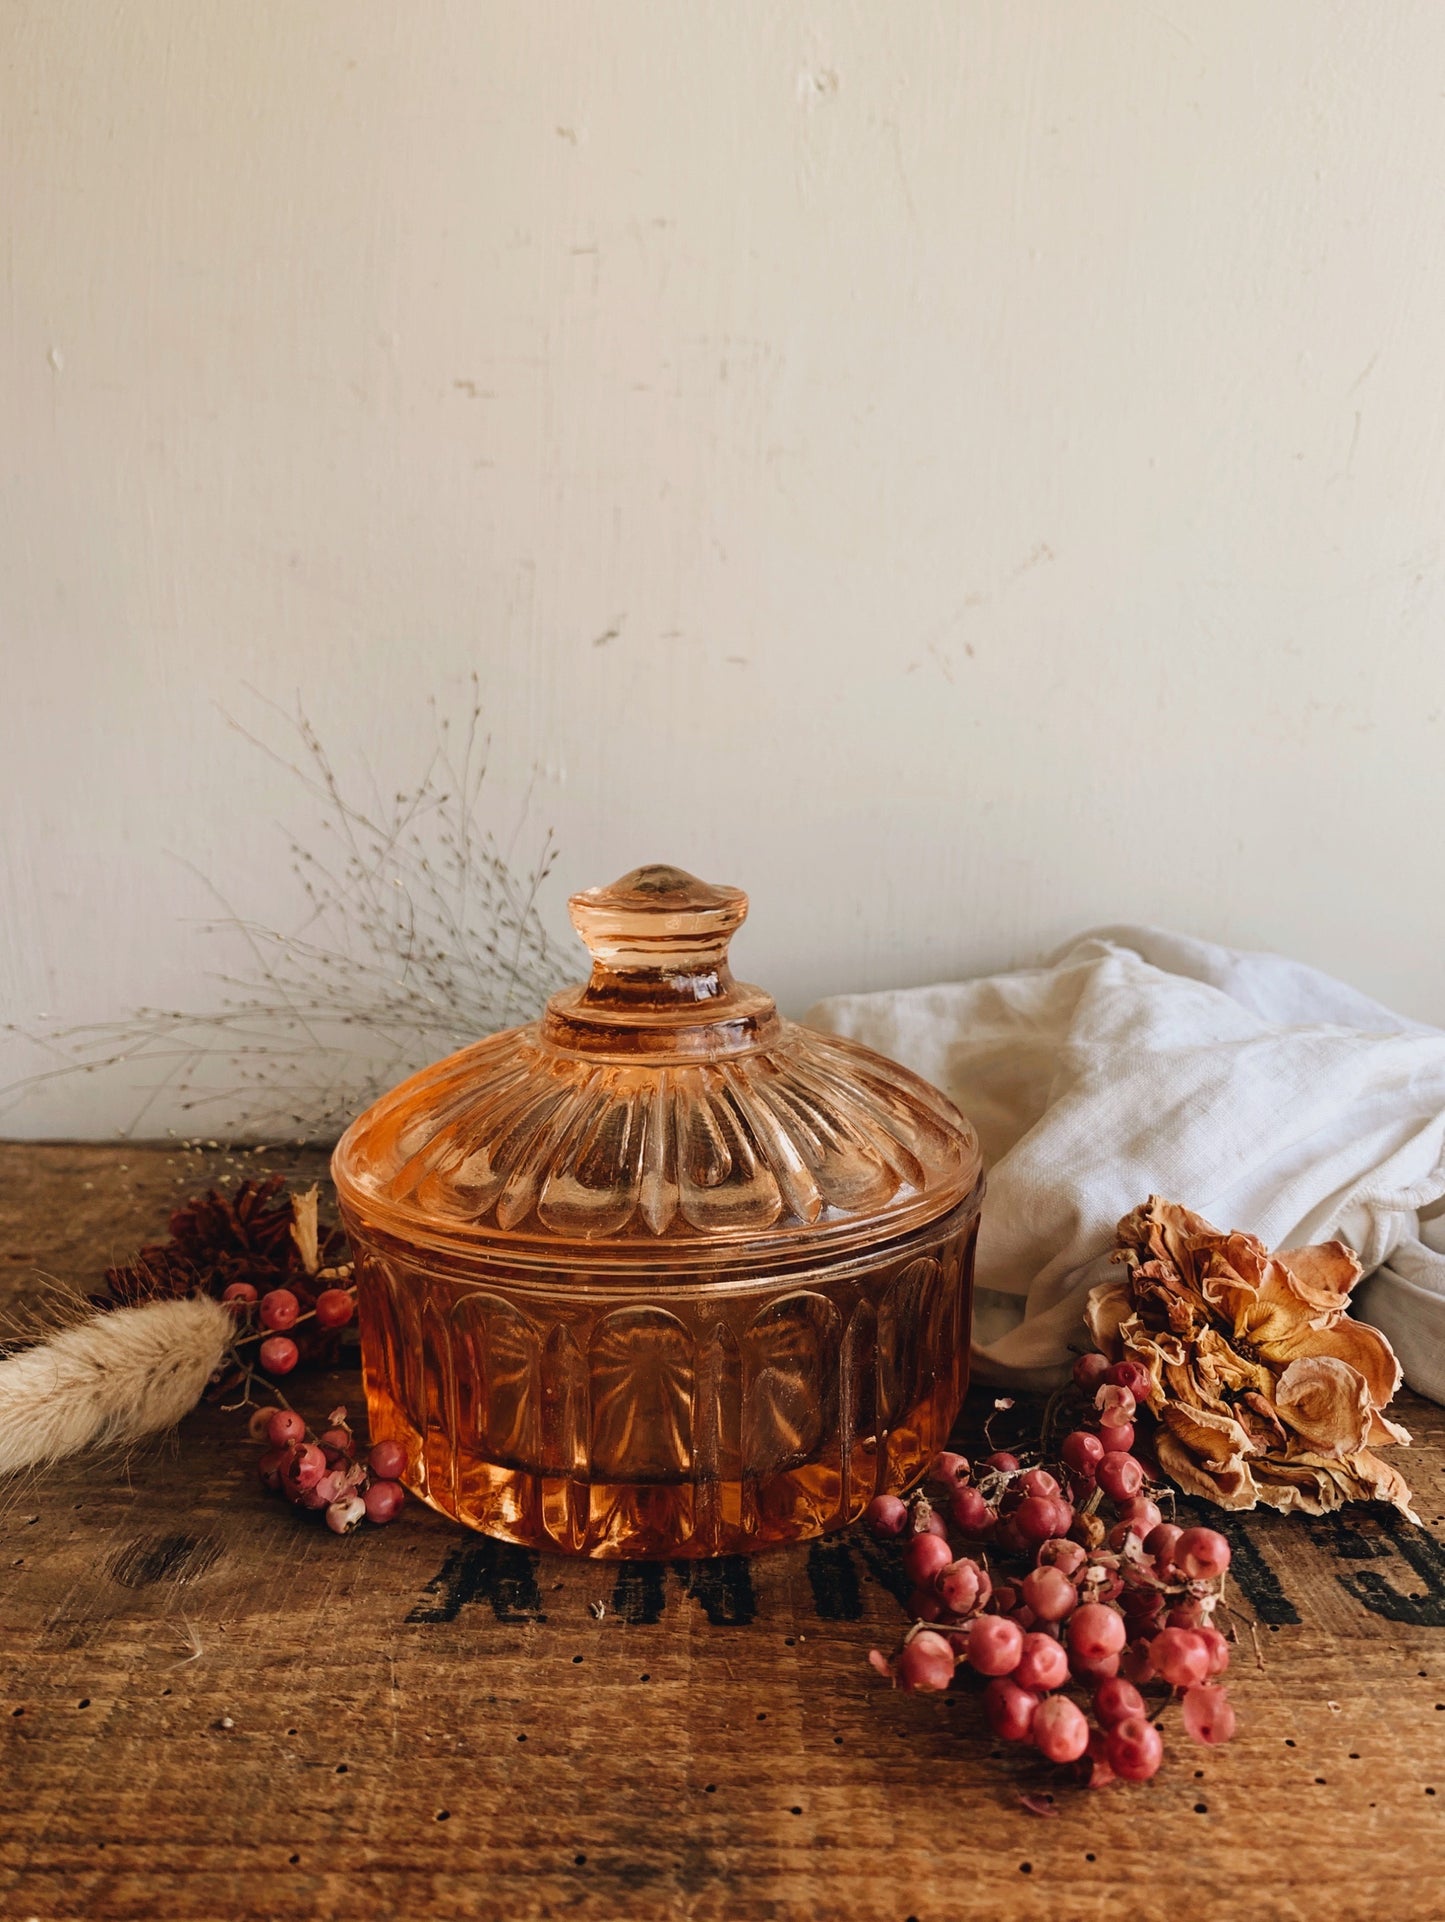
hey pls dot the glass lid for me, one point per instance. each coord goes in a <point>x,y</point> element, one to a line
<point>661,1113</point>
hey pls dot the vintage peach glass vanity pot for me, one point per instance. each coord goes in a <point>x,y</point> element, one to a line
<point>662,1274</point>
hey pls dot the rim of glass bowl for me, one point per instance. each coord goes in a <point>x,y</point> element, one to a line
<point>592,1272</point>
<point>531,1243</point>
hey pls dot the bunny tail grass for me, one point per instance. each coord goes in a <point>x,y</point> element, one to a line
<point>111,1378</point>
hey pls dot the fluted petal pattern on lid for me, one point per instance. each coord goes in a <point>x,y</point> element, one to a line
<point>663,1108</point>
<point>804,1140</point>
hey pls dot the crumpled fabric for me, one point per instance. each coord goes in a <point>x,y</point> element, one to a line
<point>1258,1092</point>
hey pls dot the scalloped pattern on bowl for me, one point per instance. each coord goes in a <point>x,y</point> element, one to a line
<point>725,1421</point>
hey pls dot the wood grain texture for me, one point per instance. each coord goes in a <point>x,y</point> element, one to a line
<point>212,1708</point>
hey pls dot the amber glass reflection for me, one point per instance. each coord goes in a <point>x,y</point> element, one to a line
<point>662,1273</point>
<point>710,1421</point>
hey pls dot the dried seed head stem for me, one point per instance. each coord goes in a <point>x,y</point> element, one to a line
<point>417,936</point>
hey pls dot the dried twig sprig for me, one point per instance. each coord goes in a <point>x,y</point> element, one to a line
<point>418,937</point>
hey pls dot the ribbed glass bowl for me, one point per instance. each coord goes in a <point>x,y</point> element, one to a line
<point>662,1274</point>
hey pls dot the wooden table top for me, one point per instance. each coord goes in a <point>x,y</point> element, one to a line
<point>214,1708</point>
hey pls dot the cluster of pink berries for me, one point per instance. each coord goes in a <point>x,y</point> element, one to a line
<point>279,1309</point>
<point>326,1472</point>
<point>1111,1607</point>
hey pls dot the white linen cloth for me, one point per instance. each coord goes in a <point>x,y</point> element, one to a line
<point>1257,1091</point>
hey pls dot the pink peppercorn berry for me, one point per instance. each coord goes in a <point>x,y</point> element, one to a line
<point>1060,1729</point>
<point>284,1426</point>
<point>1058,1553</point>
<point>240,1294</point>
<point>1132,1375</point>
<point>924,1556</point>
<point>995,1645</point>
<point>1120,1476</point>
<point>950,1469</point>
<point>383,1499</point>
<point>927,1662</point>
<point>962,1586</point>
<point>1218,1649</point>
<point>279,1308</point>
<point>1202,1553</point>
<point>1161,1542</point>
<point>1134,1749</point>
<point>387,1460</point>
<point>1038,1517</point>
<point>1009,1708</point>
<point>1142,1608</point>
<point>1089,1371</point>
<point>1082,1451</point>
<point>1038,1481</point>
<point>1140,1513</point>
<point>1135,1665</point>
<point>1049,1593</point>
<point>1208,1716</point>
<point>334,1308</point>
<point>269,1466</point>
<point>1115,1700</point>
<point>279,1355</point>
<point>343,1514</point>
<point>971,1514</point>
<point>1115,1405</point>
<point>1043,1664</point>
<point>884,1515</point>
<point>1095,1632</point>
<point>302,1469</point>
<point>1181,1655</point>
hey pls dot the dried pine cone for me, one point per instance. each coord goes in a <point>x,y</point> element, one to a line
<point>261,1233</point>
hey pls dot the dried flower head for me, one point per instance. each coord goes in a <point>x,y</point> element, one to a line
<point>1264,1388</point>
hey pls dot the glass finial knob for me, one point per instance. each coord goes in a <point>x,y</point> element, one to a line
<point>658,920</point>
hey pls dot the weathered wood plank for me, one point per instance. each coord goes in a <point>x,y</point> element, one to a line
<point>212,1708</point>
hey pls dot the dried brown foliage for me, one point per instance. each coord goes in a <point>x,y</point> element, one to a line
<point>1264,1387</point>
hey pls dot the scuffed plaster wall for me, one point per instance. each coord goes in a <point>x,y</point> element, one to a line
<point>963,472</point>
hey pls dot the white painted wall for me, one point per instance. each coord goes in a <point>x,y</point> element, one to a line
<point>961,471</point>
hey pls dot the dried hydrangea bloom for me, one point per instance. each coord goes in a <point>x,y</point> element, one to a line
<point>1264,1388</point>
